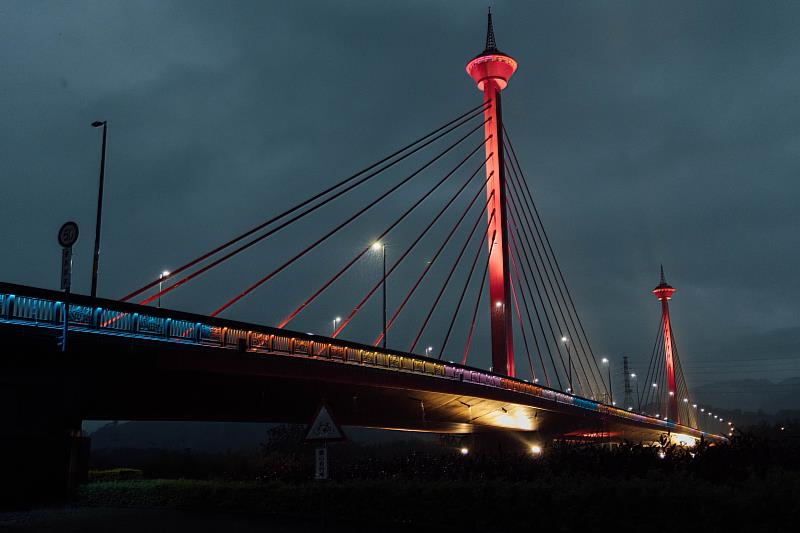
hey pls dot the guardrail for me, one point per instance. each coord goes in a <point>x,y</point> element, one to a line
<point>34,306</point>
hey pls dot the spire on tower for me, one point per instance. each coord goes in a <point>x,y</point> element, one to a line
<point>491,45</point>
<point>664,290</point>
<point>491,64</point>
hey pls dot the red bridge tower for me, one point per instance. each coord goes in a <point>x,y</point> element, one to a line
<point>491,70</point>
<point>664,293</point>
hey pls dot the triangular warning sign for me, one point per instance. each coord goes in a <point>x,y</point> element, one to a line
<point>324,427</point>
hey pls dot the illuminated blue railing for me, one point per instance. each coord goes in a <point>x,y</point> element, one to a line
<point>114,318</point>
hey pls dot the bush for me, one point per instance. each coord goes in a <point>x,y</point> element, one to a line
<point>115,474</point>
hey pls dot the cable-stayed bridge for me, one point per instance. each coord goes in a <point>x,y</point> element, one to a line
<point>82,357</point>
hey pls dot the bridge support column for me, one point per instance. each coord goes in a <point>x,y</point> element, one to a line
<point>499,265</point>
<point>491,70</point>
<point>664,293</point>
<point>43,453</point>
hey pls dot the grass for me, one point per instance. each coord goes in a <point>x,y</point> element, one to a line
<point>559,503</point>
<point>115,474</point>
<point>751,484</point>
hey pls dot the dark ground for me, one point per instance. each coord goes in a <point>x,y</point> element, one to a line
<point>752,484</point>
<point>79,519</point>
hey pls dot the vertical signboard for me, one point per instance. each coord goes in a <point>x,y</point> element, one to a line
<point>323,429</point>
<point>321,463</point>
<point>67,235</point>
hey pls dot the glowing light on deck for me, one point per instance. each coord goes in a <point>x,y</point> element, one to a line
<point>682,439</point>
<point>516,420</point>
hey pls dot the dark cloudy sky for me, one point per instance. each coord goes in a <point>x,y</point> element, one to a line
<point>650,132</point>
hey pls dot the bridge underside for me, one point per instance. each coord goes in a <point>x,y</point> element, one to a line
<point>119,378</point>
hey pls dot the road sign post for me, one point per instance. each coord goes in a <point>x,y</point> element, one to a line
<point>323,429</point>
<point>67,235</point>
<point>66,268</point>
<point>321,462</point>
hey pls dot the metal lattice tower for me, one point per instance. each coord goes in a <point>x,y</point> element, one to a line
<point>491,44</point>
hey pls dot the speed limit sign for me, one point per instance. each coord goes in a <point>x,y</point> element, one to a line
<point>68,234</point>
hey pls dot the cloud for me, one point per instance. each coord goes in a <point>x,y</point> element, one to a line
<point>650,133</point>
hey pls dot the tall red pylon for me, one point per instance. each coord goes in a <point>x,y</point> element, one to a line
<point>491,70</point>
<point>664,293</point>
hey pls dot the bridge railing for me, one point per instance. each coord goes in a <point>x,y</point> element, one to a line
<point>29,305</point>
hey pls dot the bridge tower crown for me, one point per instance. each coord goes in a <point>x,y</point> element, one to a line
<point>664,292</point>
<point>491,70</point>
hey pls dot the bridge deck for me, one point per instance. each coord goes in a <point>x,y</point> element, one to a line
<point>134,362</point>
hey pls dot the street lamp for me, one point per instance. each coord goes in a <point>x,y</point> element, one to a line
<point>96,259</point>
<point>655,386</point>
<point>428,350</point>
<point>565,340</point>
<point>638,398</point>
<point>378,245</point>
<point>335,322</point>
<point>610,390</point>
<point>161,278</point>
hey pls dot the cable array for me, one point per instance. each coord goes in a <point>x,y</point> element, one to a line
<point>544,316</point>
<point>655,398</point>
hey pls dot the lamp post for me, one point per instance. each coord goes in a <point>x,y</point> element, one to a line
<point>335,322</point>
<point>428,351</point>
<point>96,260</point>
<point>565,340</point>
<point>610,390</point>
<point>161,278</point>
<point>655,395</point>
<point>382,247</point>
<point>638,398</point>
